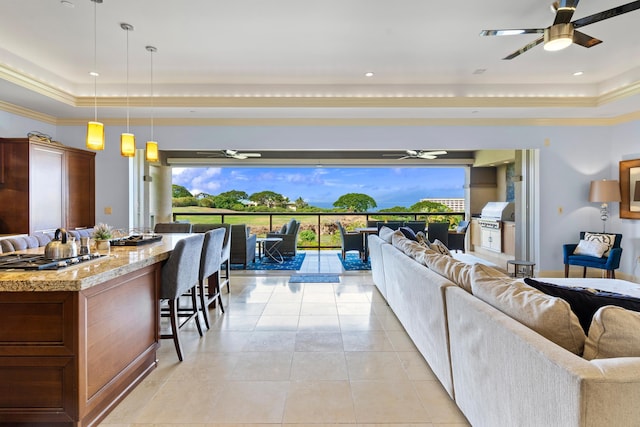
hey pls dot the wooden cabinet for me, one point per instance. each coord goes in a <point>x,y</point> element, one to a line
<point>509,238</point>
<point>44,186</point>
<point>476,234</point>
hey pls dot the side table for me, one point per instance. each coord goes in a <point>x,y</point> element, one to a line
<point>521,268</point>
<point>270,251</point>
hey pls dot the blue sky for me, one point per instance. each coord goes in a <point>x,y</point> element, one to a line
<point>323,186</point>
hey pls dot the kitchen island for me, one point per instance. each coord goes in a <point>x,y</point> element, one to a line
<point>75,342</point>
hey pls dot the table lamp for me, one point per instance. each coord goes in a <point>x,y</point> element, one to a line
<point>604,191</point>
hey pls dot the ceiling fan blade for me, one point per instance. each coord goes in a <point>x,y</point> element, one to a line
<point>629,7</point>
<point>584,40</point>
<point>525,48</point>
<point>254,155</point>
<point>512,32</point>
<point>427,156</point>
<point>435,153</point>
<point>565,11</point>
<point>412,153</point>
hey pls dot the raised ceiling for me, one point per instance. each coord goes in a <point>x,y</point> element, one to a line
<point>299,59</point>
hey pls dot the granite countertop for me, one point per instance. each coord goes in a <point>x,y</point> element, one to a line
<point>120,260</point>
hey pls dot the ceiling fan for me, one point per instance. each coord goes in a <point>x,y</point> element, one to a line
<point>419,154</point>
<point>230,154</point>
<point>562,33</point>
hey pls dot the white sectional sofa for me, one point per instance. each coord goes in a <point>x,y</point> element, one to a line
<point>499,371</point>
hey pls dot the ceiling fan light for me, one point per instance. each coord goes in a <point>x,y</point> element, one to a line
<point>558,37</point>
<point>128,145</point>
<point>151,151</point>
<point>95,136</point>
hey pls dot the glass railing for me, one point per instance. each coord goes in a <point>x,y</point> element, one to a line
<point>318,230</point>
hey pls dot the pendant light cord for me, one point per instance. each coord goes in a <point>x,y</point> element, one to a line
<point>127,80</point>
<point>95,62</point>
<point>151,55</point>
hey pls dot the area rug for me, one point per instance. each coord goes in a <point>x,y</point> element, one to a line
<point>314,278</point>
<point>353,263</point>
<point>290,263</point>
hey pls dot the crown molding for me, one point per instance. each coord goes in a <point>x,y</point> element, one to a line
<point>30,114</point>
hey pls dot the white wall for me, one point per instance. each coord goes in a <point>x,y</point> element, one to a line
<point>570,157</point>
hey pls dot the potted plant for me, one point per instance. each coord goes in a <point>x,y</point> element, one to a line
<point>102,234</point>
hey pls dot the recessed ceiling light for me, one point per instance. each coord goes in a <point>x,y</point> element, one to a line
<point>94,74</point>
<point>67,3</point>
<point>368,74</point>
<point>578,73</point>
<point>479,71</point>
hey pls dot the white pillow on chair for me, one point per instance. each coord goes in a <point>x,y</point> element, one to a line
<point>591,248</point>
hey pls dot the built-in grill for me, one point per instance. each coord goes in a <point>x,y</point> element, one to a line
<point>491,218</point>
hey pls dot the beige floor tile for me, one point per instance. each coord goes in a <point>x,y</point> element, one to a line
<point>262,366</point>
<point>319,402</point>
<point>359,323</point>
<point>277,323</point>
<point>319,366</point>
<point>224,341</point>
<point>352,294</point>
<point>354,308</point>
<point>366,341</point>
<point>204,367</point>
<point>401,341</point>
<point>177,401</point>
<point>318,341</point>
<point>271,341</point>
<point>387,402</point>
<point>281,309</point>
<point>415,366</point>
<point>318,309</point>
<point>130,408</point>
<point>236,323</point>
<point>242,309</point>
<point>375,365</point>
<point>438,403</point>
<point>319,323</point>
<point>251,402</point>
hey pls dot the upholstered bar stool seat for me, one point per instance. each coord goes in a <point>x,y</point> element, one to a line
<point>180,276</point>
<point>172,227</point>
<point>209,277</point>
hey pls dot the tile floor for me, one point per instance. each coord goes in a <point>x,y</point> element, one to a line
<point>293,354</point>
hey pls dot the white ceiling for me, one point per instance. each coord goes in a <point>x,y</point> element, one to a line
<point>300,58</point>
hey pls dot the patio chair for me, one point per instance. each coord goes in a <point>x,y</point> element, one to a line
<point>243,245</point>
<point>351,242</point>
<point>438,231</point>
<point>457,237</point>
<point>289,235</point>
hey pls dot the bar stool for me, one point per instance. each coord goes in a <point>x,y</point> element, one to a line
<point>209,276</point>
<point>180,276</point>
<point>172,227</point>
<point>226,249</point>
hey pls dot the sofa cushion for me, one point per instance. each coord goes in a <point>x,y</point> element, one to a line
<point>607,239</point>
<point>614,332</point>
<point>407,246</point>
<point>422,239</point>
<point>408,233</point>
<point>385,233</point>
<point>549,316</point>
<point>440,247</point>
<point>585,301</point>
<point>456,271</point>
<point>591,248</point>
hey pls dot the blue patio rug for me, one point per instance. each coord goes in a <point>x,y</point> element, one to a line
<point>314,278</point>
<point>290,263</point>
<point>353,262</point>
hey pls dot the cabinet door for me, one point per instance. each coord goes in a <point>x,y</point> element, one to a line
<point>46,188</point>
<point>80,189</point>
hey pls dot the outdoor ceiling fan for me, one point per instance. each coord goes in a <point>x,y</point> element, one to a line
<point>562,33</point>
<point>419,154</point>
<point>235,154</point>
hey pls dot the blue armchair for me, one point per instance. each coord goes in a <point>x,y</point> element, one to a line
<point>609,263</point>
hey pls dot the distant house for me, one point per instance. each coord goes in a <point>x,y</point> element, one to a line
<point>248,202</point>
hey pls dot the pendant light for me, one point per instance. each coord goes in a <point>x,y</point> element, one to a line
<point>127,139</point>
<point>95,129</point>
<point>151,149</point>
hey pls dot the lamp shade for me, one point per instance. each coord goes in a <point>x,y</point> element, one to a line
<point>95,136</point>
<point>128,145</point>
<point>604,191</point>
<point>151,152</point>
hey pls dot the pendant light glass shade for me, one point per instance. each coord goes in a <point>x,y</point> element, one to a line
<point>128,145</point>
<point>95,129</point>
<point>127,139</point>
<point>95,136</point>
<point>151,152</point>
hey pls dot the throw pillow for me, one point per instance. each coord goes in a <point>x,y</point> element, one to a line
<point>591,248</point>
<point>406,246</point>
<point>408,233</point>
<point>549,316</point>
<point>440,247</point>
<point>422,239</point>
<point>584,301</point>
<point>456,271</point>
<point>614,332</point>
<point>607,239</point>
<point>385,234</point>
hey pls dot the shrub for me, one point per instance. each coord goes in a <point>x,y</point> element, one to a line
<point>307,236</point>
